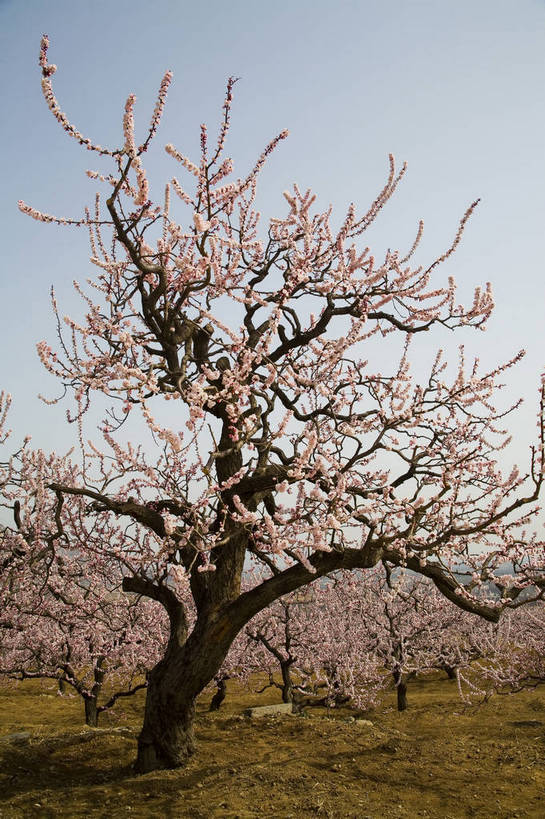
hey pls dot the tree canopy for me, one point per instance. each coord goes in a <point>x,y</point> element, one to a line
<point>285,447</point>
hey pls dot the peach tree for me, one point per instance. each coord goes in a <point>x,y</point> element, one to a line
<point>243,349</point>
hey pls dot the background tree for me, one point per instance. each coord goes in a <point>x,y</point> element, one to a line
<point>412,628</point>
<point>281,443</point>
<point>339,663</point>
<point>63,614</point>
<point>283,631</point>
<point>509,658</point>
<point>99,648</point>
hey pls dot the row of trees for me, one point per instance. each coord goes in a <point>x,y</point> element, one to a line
<point>352,639</point>
<point>344,640</point>
<point>243,351</point>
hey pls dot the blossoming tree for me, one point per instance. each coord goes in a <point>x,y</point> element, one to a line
<point>283,633</point>
<point>359,631</point>
<point>337,662</point>
<point>412,628</point>
<point>277,441</point>
<point>98,645</point>
<point>510,658</point>
<point>63,614</point>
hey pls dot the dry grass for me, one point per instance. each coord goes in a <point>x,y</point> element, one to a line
<point>433,760</point>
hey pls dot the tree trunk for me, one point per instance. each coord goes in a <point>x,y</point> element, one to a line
<point>91,712</point>
<point>219,696</point>
<point>167,739</point>
<point>287,685</point>
<point>402,697</point>
<point>450,672</point>
<point>91,699</point>
<point>401,688</point>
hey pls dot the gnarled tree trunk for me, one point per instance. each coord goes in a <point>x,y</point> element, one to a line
<point>91,698</point>
<point>167,738</point>
<point>287,684</point>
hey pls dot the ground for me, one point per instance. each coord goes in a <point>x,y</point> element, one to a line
<point>434,760</point>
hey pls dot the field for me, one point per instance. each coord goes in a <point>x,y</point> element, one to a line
<point>434,760</point>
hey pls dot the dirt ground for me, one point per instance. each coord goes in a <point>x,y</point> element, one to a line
<point>434,760</point>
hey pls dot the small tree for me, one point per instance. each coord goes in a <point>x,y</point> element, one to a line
<point>102,661</point>
<point>280,631</point>
<point>63,614</point>
<point>510,658</point>
<point>340,663</point>
<point>413,629</point>
<point>100,645</point>
<point>283,445</point>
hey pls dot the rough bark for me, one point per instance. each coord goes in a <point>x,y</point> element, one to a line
<point>287,685</point>
<point>91,699</point>
<point>91,711</point>
<point>167,739</point>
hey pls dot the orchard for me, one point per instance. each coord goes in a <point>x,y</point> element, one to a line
<point>291,509</point>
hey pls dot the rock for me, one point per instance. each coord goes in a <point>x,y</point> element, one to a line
<point>364,723</point>
<point>22,736</point>
<point>267,710</point>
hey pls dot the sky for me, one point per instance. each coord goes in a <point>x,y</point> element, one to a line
<point>453,87</point>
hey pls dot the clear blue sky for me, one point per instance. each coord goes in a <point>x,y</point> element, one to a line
<point>455,87</point>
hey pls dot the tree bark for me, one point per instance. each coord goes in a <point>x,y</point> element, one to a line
<point>401,688</point>
<point>167,739</point>
<point>287,685</point>
<point>91,698</point>
<point>91,711</point>
<point>219,696</point>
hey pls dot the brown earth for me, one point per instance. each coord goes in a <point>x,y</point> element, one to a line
<point>434,760</point>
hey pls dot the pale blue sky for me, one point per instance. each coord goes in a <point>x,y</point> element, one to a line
<point>455,87</point>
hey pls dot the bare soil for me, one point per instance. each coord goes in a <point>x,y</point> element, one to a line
<point>433,760</point>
